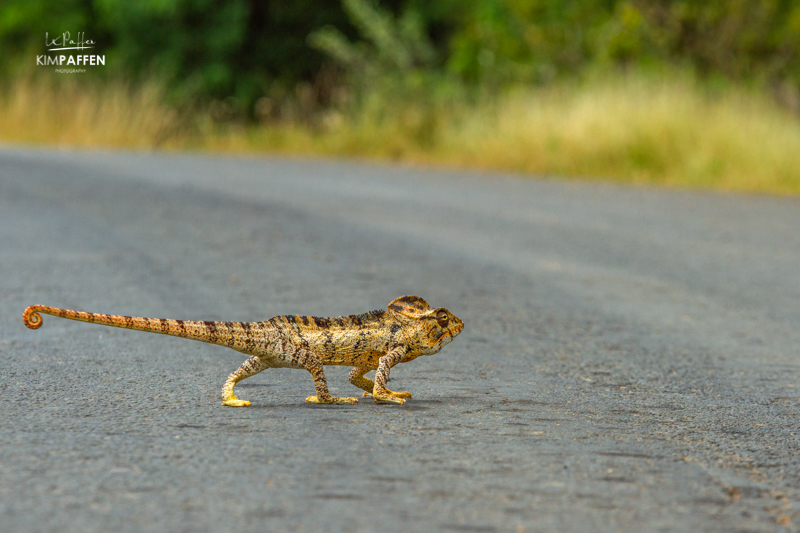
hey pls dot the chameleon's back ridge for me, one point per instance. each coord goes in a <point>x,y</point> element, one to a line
<point>376,340</point>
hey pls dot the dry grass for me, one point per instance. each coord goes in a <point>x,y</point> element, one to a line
<point>638,130</point>
<point>70,114</point>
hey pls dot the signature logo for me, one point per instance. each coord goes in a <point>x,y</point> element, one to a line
<point>63,42</point>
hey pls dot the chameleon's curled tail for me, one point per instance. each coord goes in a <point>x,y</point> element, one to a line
<point>32,318</point>
<point>231,334</point>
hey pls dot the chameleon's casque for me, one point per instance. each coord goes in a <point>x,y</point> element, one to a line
<point>377,340</point>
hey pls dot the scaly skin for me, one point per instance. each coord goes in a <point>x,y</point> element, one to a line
<point>377,340</point>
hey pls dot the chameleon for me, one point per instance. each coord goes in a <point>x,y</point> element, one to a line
<point>376,340</point>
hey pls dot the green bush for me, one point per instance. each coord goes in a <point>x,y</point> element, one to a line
<point>199,49</point>
<point>241,50</point>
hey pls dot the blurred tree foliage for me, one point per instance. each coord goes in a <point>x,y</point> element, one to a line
<point>200,49</point>
<point>242,50</point>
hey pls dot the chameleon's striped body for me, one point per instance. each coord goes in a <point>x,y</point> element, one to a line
<point>377,340</point>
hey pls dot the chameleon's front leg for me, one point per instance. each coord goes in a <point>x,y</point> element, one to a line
<point>379,391</point>
<point>357,378</point>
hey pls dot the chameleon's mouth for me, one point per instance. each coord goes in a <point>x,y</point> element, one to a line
<point>456,329</point>
<point>446,336</point>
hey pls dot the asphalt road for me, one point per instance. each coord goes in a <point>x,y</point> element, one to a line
<point>630,360</point>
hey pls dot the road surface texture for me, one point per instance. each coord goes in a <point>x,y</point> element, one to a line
<point>630,362</point>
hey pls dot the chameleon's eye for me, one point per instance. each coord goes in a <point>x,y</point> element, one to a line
<point>442,319</point>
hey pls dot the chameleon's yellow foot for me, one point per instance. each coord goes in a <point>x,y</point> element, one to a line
<point>404,394</point>
<point>233,402</point>
<point>384,397</point>
<point>332,399</point>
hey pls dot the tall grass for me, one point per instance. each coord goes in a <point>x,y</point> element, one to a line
<point>672,132</point>
<point>637,129</point>
<point>111,115</point>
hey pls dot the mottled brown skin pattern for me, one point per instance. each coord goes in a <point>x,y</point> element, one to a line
<point>377,340</point>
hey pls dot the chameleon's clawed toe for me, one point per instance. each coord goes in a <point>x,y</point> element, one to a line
<point>390,394</point>
<point>331,399</point>
<point>233,402</point>
<point>388,398</point>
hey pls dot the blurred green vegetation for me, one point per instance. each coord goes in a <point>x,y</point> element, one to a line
<point>674,92</point>
<point>239,51</point>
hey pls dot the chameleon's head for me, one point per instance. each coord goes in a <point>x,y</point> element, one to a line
<point>429,329</point>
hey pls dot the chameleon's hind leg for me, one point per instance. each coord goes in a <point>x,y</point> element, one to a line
<point>251,367</point>
<point>312,363</point>
<point>368,386</point>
